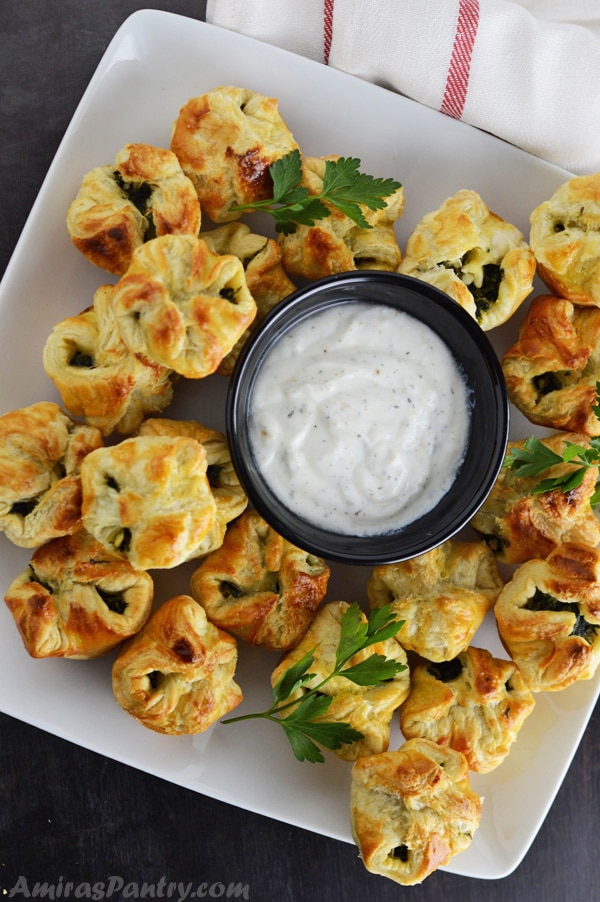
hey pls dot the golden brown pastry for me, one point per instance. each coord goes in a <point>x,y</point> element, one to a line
<point>412,810</point>
<point>442,596</point>
<point>177,674</point>
<point>119,207</point>
<point>259,586</point>
<point>225,141</point>
<point>336,244</point>
<point>475,704</point>
<point>548,617</point>
<point>182,306</point>
<point>230,498</point>
<point>368,709</point>
<point>148,500</point>
<point>552,370</point>
<point>266,279</point>
<point>75,600</point>
<point>98,378</point>
<point>565,239</point>
<point>475,256</point>
<point>41,450</point>
<point>518,524</point>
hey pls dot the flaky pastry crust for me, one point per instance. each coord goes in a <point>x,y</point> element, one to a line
<point>552,369</point>
<point>336,244</point>
<point>548,617</point>
<point>412,810</point>
<point>119,207</point>
<point>182,306</point>
<point>442,596</point>
<point>565,238</point>
<point>475,704</point>
<point>230,498</point>
<point>267,281</point>
<point>148,500</point>
<point>519,524</point>
<point>260,587</point>
<point>473,255</point>
<point>226,140</point>
<point>76,600</point>
<point>368,709</point>
<point>176,676</point>
<point>41,451</point>
<point>98,378</point>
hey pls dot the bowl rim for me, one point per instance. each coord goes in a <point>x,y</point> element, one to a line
<point>425,532</point>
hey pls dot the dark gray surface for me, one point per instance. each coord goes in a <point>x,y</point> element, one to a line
<point>68,816</point>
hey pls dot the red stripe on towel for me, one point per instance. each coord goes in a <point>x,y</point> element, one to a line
<point>327,28</point>
<point>457,79</point>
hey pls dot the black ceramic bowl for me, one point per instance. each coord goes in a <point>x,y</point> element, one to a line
<point>486,443</point>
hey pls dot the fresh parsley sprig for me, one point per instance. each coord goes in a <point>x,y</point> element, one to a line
<point>344,186</point>
<point>301,723</point>
<point>535,458</point>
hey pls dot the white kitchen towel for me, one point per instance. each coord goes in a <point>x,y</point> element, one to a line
<point>527,71</point>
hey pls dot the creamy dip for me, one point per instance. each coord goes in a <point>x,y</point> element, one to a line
<point>359,418</point>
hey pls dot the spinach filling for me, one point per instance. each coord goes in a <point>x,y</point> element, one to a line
<point>446,671</point>
<point>139,193</point>
<point>542,601</point>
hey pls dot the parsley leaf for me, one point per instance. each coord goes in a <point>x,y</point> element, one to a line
<point>344,187</point>
<point>302,722</point>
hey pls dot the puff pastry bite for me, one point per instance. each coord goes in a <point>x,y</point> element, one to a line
<point>41,451</point>
<point>225,141</point>
<point>267,281</point>
<point>519,525</point>
<point>548,617</point>
<point>552,370</point>
<point>475,704</point>
<point>442,596</point>
<point>336,243</point>
<point>475,256</point>
<point>176,676</point>
<point>412,810</point>
<point>117,208</point>
<point>75,600</point>
<point>230,498</point>
<point>148,499</point>
<point>565,238</point>
<point>98,378</point>
<point>368,709</point>
<point>260,587</point>
<point>182,306</point>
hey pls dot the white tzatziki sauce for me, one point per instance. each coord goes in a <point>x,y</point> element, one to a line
<point>359,418</point>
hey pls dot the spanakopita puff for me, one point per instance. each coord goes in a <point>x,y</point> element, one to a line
<point>548,617</point>
<point>520,524</point>
<point>230,498</point>
<point>98,378</point>
<point>552,369</point>
<point>41,451</point>
<point>412,810</point>
<point>225,141</point>
<point>336,244</point>
<point>267,281</point>
<point>148,499</point>
<point>260,587</point>
<point>565,238</point>
<point>442,596</point>
<point>183,306</point>
<point>176,675</point>
<point>119,207</point>
<point>475,704</point>
<point>368,709</point>
<point>473,255</point>
<point>76,600</point>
